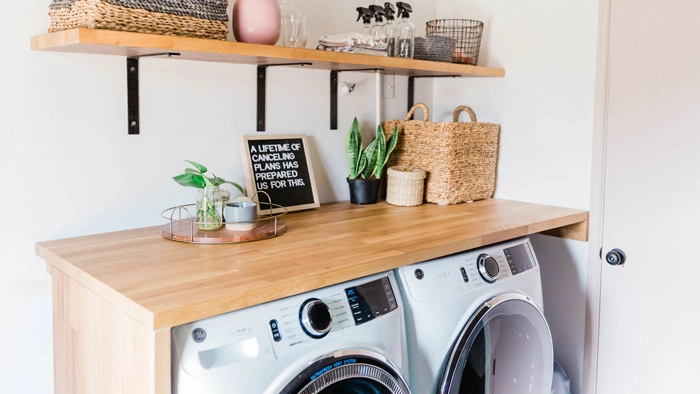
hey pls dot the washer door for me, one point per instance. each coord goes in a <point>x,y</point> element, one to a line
<point>505,348</point>
<point>350,371</point>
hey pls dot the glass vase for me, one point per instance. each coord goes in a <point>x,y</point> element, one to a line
<point>209,208</point>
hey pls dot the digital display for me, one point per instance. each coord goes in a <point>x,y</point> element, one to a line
<point>371,299</point>
<point>519,259</point>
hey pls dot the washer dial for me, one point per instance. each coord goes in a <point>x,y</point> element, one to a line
<point>315,318</point>
<point>488,267</point>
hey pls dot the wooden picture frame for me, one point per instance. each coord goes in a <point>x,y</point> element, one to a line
<point>279,165</point>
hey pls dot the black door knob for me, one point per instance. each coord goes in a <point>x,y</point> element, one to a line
<point>616,257</point>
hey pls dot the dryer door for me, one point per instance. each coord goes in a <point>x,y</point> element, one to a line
<point>350,371</point>
<point>505,348</point>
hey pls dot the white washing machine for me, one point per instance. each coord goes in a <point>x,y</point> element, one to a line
<point>348,338</point>
<point>474,323</point>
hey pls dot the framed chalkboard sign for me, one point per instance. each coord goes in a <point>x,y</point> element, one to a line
<point>280,166</point>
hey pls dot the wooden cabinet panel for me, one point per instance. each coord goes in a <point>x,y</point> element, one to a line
<point>99,349</point>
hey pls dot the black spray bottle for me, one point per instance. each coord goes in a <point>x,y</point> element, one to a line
<point>377,30</point>
<point>390,29</point>
<point>366,15</point>
<point>406,31</point>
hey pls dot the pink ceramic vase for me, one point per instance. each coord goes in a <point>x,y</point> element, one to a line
<point>256,21</point>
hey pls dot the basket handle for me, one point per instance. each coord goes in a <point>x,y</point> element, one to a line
<point>415,107</point>
<point>458,110</point>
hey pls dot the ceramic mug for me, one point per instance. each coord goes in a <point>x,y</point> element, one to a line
<point>240,215</point>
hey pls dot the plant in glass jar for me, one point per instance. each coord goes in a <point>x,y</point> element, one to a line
<point>209,198</point>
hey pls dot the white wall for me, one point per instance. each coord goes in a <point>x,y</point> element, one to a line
<point>69,168</point>
<point>545,108</point>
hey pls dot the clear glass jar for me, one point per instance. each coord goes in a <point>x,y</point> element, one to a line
<point>287,8</point>
<point>209,208</point>
<point>288,13</point>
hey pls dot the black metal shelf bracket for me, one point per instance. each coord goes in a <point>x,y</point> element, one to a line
<point>262,88</point>
<point>412,85</point>
<point>334,93</point>
<point>132,90</point>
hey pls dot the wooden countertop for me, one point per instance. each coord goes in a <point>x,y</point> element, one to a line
<point>162,283</point>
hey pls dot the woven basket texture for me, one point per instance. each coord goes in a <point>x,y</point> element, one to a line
<point>467,34</point>
<point>404,186</point>
<point>435,48</point>
<point>188,18</point>
<point>459,158</point>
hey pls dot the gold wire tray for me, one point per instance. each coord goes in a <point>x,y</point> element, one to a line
<point>182,227</point>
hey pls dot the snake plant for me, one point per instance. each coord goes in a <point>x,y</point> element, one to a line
<point>368,162</point>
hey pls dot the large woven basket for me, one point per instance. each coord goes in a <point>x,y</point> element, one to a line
<point>188,18</point>
<point>459,157</point>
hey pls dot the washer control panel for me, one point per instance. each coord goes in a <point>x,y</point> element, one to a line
<point>469,271</point>
<point>330,312</point>
<point>370,300</point>
<point>243,340</point>
<point>519,257</point>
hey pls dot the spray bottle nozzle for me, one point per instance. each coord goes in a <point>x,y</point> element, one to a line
<point>404,9</point>
<point>389,10</point>
<point>365,14</point>
<point>378,12</point>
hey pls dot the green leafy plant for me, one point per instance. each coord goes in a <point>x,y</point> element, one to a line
<point>195,177</point>
<point>368,162</point>
<point>209,207</point>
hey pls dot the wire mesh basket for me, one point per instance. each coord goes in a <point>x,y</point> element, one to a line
<point>435,48</point>
<point>467,34</point>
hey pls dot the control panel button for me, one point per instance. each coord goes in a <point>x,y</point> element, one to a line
<point>464,274</point>
<point>275,328</point>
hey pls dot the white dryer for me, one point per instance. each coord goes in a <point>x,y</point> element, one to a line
<point>348,338</point>
<point>475,323</point>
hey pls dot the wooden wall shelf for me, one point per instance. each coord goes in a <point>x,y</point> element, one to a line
<point>107,42</point>
<point>136,45</point>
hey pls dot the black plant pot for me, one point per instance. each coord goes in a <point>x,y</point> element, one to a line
<point>364,191</point>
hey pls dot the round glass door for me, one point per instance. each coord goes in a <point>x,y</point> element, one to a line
<point>505,348</point>
<point>352,371</point>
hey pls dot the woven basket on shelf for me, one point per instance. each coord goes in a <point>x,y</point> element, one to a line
<point>467,34</point>
<point>188,18</point>
<point>404,186</point>
<point>435,48</point>
<point>459,157</point>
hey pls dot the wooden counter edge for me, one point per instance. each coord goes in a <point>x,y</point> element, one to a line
<point>572,225</point>
<point>110,295</point>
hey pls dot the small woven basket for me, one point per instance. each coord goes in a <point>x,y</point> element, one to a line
<point>404,187</point>
<point>467,34</point>
<point>187,18</point>
<point>435,48</point>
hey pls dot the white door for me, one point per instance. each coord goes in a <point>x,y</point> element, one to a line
<point>649,327</point>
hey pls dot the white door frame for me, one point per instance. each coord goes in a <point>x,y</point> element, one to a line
<point>595,238</point>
